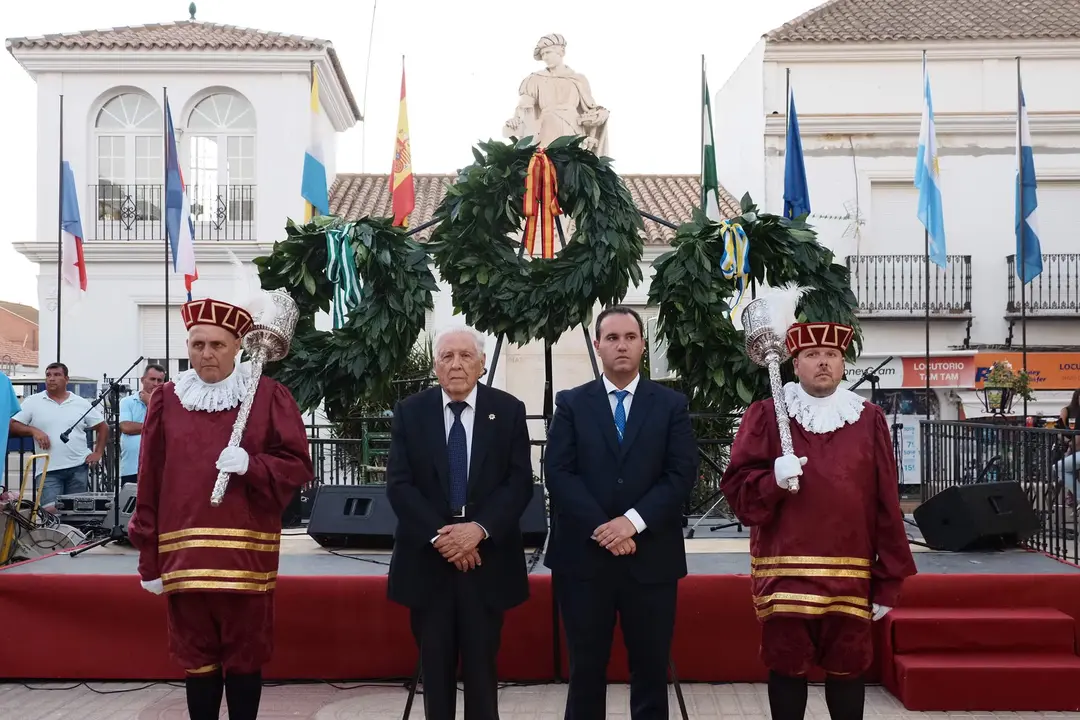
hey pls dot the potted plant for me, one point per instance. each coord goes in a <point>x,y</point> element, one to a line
<point>1002,386</point>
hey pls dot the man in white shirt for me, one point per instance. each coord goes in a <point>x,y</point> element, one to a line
<point>45,416</point>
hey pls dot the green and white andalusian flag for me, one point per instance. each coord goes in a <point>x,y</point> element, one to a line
<point>710,186</point>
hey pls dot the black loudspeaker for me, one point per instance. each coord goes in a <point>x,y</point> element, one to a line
<point>352,516</point>
<point>976,517</point>
<point>360,516</point>
<point>534,527</point>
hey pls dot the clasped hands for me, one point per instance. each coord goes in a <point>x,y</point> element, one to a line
<point>617,536</point>
<point>457,543</point>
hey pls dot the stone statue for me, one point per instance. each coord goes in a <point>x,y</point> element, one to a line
<point>557,101</point>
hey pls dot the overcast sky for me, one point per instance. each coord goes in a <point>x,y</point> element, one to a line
<point>464,61</point>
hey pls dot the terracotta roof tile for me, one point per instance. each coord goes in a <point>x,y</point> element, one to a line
<point>184,35</point>
<point>15,352</point>
<point>671,197</point>
<point>899,20</point>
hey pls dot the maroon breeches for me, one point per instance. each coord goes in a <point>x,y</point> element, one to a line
<point>837,644</point>
<point>219,630</point>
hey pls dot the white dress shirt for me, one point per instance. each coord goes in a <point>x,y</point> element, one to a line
<point>468,415</point>
<point>632,515</point>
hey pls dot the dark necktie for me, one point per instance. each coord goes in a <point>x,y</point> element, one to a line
<point>459,458</point>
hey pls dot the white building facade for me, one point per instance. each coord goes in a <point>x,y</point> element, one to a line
<point>856,77</point>
<point>239,101</point>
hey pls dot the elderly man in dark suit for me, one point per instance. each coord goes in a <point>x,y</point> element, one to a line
<point>621,461</point>
<point>459,478</point>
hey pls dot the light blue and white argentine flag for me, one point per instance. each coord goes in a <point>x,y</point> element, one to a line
<point>1028,240</point>
<point>928,178</point>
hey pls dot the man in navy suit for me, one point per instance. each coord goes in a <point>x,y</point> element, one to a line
<point>621,461</point>
<point>459,478</point>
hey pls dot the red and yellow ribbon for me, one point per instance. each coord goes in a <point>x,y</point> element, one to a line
<point>541,201</point>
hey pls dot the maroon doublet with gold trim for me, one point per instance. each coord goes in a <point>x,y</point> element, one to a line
<point>820,557</point>
<point>218,565</point>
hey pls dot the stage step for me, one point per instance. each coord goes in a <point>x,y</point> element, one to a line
<point>1013,682</point>
<point>930,630</point>
<point>984,659</point>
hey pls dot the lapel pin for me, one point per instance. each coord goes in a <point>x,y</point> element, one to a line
<point>491,416</point>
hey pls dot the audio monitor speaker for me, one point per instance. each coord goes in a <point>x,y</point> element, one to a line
<point>353,516</point>
<point>977,516</point>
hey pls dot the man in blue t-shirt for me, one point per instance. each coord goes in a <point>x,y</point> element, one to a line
<point>132,414</point>
<point>9,405</point>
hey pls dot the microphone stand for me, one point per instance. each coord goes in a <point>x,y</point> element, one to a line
<point>118,531</point>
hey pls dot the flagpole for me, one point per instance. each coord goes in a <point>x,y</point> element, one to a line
<point>926,283</point>
<point>60,234</point>
<point>164,225</point>
<point>701,144</point>
<point>787,104</point>
<point>1022,223</point>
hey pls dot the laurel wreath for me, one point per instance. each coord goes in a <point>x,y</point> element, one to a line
<point>476,250</point>
<point>692,290</point>
<point>394,292</point>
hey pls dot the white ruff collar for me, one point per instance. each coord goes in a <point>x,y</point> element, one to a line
<point>822,415</point>
<point>195,394</point>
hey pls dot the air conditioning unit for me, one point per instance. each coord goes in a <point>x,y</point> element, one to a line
<point>658,363</point>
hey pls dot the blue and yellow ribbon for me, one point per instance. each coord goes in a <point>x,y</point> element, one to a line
<point>341,271</point>
<point>735,262</point>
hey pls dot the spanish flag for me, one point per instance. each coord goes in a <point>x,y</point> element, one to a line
<point>402,188</point>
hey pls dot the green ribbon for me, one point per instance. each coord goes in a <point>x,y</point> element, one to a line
<point>341,271</point>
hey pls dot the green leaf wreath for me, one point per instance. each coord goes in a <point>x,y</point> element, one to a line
<point>395,290</point>
<point>477,253</point>
<point>693,299</point>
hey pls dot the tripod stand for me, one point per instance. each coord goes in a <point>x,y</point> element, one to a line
<point>118,531</point>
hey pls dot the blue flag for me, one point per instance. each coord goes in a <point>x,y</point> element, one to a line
<point>928,179</point>
<point>1028,246</point>
<point>796,191</point>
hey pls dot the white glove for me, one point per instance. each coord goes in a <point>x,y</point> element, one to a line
<point>879,611</point>
<point>233,460</point>
<point>153,586</point>
<point>786,467</point>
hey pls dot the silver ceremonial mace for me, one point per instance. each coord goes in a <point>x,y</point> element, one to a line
<point>768,349</point>
<point>267,341</point>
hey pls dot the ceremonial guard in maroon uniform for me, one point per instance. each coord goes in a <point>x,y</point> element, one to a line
<point>217,565</point>
<point>830,557</point>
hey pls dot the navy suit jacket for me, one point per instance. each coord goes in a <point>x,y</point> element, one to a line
<point>592,479</point>
<point>418,488</point>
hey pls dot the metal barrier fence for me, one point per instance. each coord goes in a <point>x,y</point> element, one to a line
<point>1043,461</point>
<point>362,460</point>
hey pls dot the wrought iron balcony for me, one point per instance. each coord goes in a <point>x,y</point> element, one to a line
<point>894,286</point>
<point>135,212</point>
<point>1054,293</point>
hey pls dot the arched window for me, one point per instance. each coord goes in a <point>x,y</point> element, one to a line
<point>221,183</point>
<point>130,168</point>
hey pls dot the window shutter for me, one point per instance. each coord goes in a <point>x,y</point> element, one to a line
<point>152,332</point>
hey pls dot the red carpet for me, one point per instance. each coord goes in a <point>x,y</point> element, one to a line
<point>335,628</point>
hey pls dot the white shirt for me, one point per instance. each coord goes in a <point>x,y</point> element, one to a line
<point>632,515</point>
<point>468,415</point>
<point>53,418</point>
